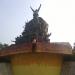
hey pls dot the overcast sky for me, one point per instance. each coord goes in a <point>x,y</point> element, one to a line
<point>59,14</point>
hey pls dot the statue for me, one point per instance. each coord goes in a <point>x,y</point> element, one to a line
<point>35,30</point>
<point>35,12</point>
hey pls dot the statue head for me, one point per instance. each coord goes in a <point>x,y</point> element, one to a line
<point>35,12</point>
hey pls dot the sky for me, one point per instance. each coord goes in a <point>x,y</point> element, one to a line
<point>59,14</point>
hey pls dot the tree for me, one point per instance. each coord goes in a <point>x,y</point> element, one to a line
<point>3,46</point>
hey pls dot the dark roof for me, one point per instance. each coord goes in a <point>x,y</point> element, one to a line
<point>58,48</point>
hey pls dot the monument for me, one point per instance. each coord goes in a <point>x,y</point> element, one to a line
<point>33,53</point>
<point>36,28</point>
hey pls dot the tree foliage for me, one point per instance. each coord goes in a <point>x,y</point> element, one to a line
<point>2,46</point>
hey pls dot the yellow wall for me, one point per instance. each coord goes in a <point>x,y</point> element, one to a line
<point>36,64</point>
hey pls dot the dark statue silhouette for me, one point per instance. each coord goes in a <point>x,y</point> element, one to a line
<point>36,28</point>
<point>35,12</point>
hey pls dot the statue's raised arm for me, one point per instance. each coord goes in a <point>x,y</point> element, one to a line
<point>39,7</point>
<point>32,9</point>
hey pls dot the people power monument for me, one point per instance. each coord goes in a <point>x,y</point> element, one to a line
<point>36,28</point>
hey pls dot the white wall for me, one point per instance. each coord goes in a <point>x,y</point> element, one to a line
<point>5,69</point>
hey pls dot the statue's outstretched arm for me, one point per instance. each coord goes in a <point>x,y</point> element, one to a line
<point>39,7</point>
<point>32,9</point>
